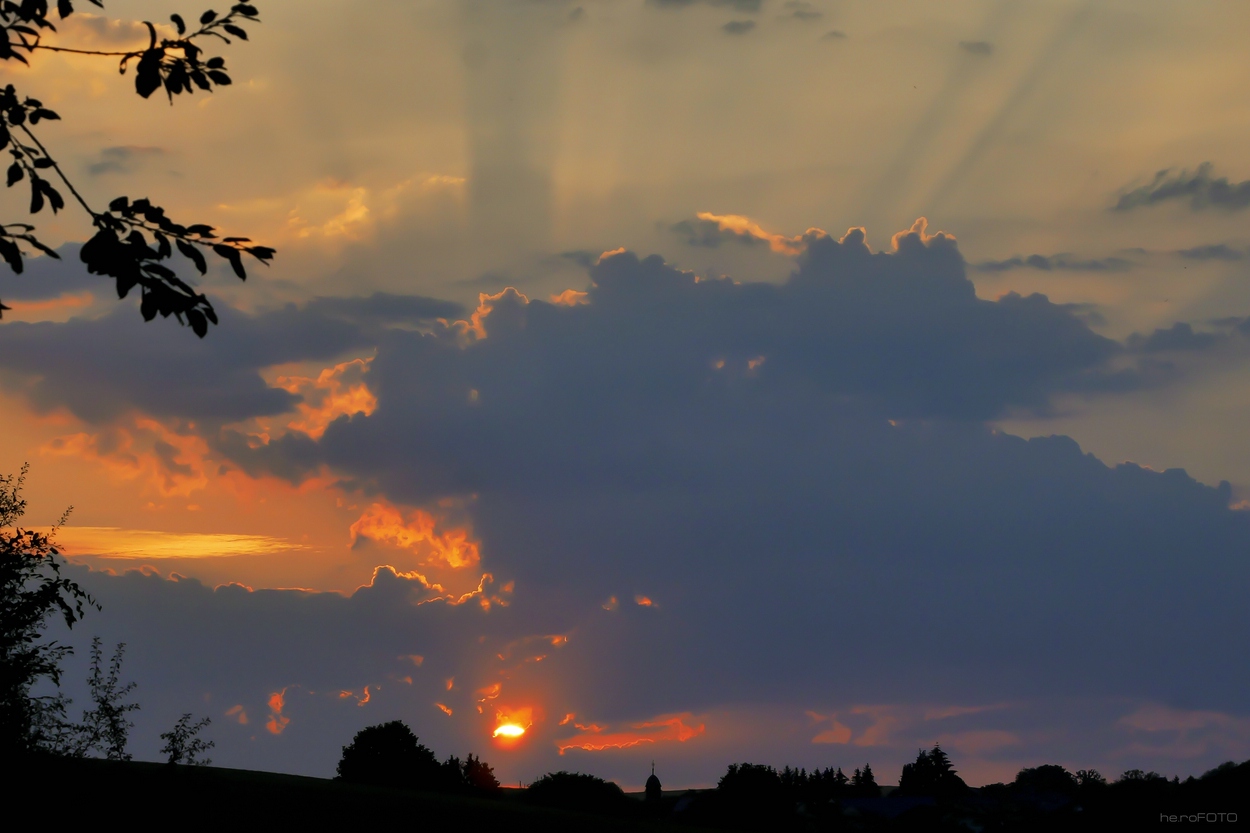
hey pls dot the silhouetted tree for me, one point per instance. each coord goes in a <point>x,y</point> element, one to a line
<point>133,238</point>
<point>183,745</point>
<point>32,591</point>
<point>864,783</point>
<point>105,728</point>
<point>1048,778</point>
<point>1090,779</point>
<point>389,754</point>
<point>753,794</point>
<point>581,792</point>
<point>479,775</point>
<point>931,774</point>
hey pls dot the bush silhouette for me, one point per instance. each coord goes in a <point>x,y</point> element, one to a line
<point>577,791</point>
<point>389,755</point>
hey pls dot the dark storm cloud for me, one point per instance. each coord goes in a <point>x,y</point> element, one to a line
<point>1199,188</point>
<point>193,647</point>
<point>977,47</point>
<point>798,475</point>
<point>656,350</point>
<point>1218,251</point>
<point>738,27</point>
<point>43,277</point>
<point>1060,262</point>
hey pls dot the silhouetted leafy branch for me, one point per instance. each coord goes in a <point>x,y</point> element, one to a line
<point>183,744</point>
<point>132,238</point>
<point>105,728</point>
<point>32,591</point>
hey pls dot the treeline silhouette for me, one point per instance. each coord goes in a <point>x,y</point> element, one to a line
<point>930,794</point>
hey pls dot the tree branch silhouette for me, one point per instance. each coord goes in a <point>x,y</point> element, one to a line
<point>132,237</point>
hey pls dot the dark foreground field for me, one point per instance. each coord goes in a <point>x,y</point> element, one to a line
<point>83,794</point>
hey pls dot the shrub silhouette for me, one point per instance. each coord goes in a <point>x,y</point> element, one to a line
<point>577,791</point>
<point>389,755</point>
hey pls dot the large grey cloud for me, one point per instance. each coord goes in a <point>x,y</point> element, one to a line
<point>799,475</point>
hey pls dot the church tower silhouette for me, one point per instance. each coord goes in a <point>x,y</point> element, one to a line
<point>654,791</point>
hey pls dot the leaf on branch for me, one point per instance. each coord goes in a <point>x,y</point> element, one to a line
<point>208,17</point>
<point>194,255</point>
<point>11,253</point>
<point>16,172</point>
<point>232,255</point>
<point>219,77</point>
<point>148,73</point>
<point>235,30</point>
<point>197,321</point>
<point>179,22</point>
<point>36,197</point>
<point>54,196</point>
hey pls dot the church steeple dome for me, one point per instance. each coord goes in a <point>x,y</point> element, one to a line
<point>654,791</point>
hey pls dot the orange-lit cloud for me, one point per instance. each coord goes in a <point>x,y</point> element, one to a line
<point>643,601</point>
<point>512,724</point>
<point>48,309</point>
<point>415,659</point>
<point>451,682</point>
<point>919,228</point>
<point>337,391</point>
<point>145,543</point>
<point>592,737</point>
<point>570,298</point>
<point>420,533</point>
<point>238,713</point>
<point>361,698</point>
<point>492,311</point>
<point>172,462</point>
<point>445,709</point>
<point>277,720</point>
<point>524,647</point>
<point>740,226</point>
<point>836,734</point>
<point>610,604</point>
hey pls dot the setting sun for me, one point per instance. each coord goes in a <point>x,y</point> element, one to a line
<point>509,730</point>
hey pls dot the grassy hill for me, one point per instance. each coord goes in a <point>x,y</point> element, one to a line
<point>85,793</point>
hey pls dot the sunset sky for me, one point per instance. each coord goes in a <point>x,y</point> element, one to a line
<point>787,381</point>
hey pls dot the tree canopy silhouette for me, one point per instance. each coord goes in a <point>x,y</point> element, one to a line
<point>389,754</point>
<point>32,591</point>
<point>581,792</point>
<point>133,238</point>
<point>931,774</point>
